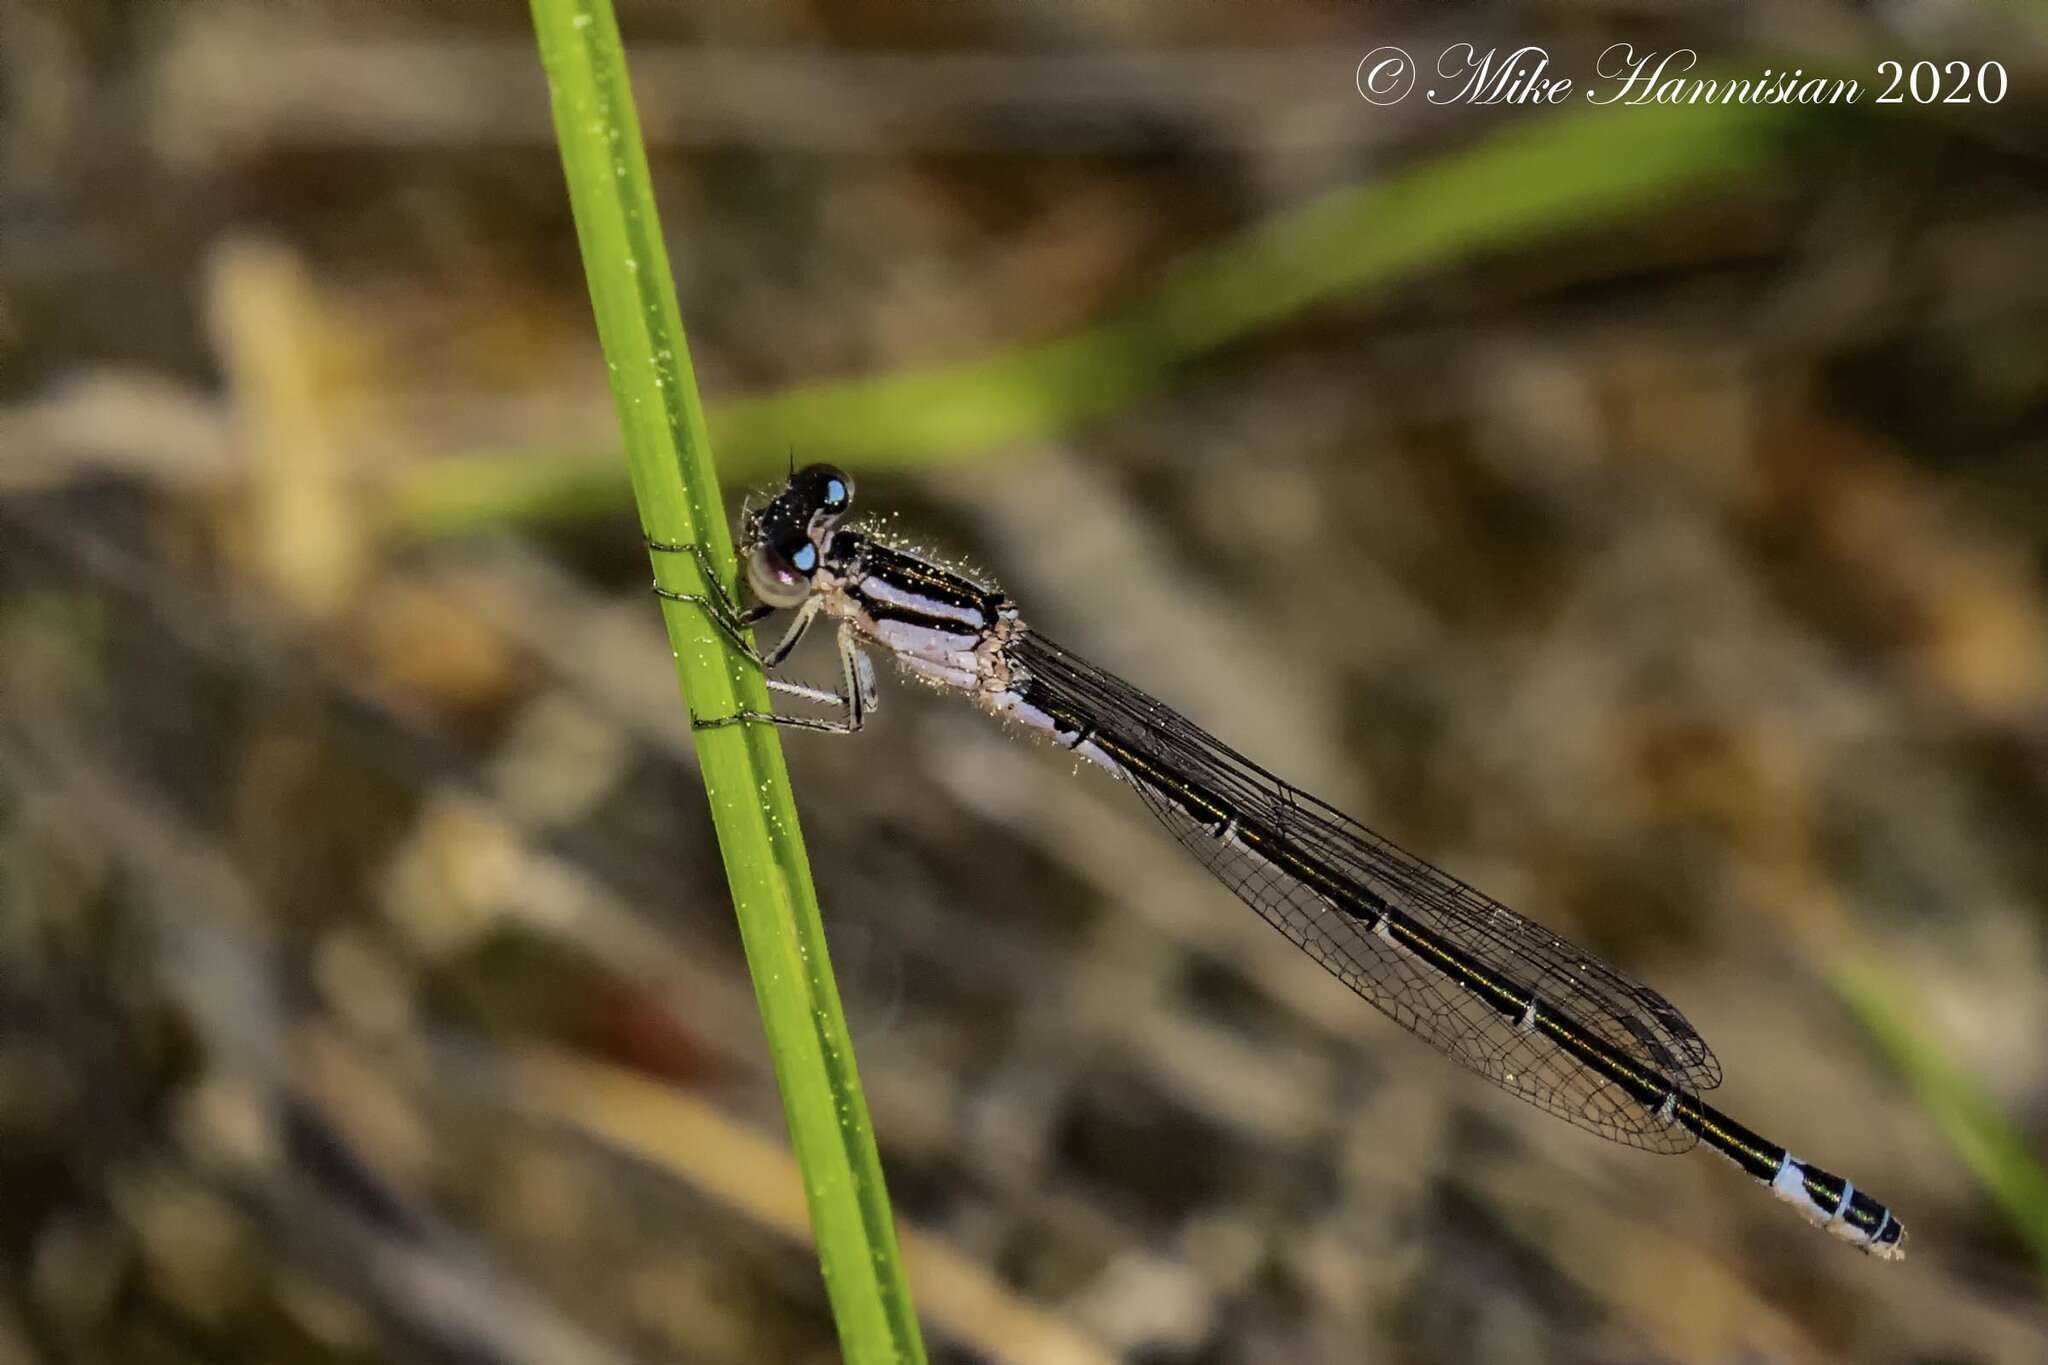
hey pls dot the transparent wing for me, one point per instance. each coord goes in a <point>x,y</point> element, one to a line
<point>1604,1001</point>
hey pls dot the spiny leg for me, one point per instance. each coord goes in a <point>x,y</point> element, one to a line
<point>704,569</point>
<point>732,622</point>
<point>858,700</point>
<point>799,626</point>
<point>733,630</point>
<point>710,576</point>
<point>859,675</point>
<point>727,615</point>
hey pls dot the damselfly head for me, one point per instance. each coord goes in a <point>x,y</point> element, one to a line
<point>786,540</point>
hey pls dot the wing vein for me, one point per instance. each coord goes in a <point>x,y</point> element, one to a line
<point>1196,786</point>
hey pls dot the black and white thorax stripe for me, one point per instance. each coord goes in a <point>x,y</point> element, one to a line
<point>948,629</point>
<point>894,586</point>
<point>938,624</point>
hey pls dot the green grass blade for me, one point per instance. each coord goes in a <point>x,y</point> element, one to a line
<point>1566,173</point>
<point>1994,1150</point>
<point>674,484</point>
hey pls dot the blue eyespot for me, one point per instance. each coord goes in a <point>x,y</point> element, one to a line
<point>822,489</point>
<point>805,558</point>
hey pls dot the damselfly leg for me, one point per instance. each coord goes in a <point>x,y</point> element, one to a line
<point>714,602</point>
<point>856,672</point>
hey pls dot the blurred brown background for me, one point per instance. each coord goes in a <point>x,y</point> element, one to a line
<point>368,987</point>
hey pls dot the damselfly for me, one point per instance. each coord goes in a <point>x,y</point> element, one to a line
<point>1538,1016</point>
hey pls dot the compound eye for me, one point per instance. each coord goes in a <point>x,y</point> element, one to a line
<point>781,575</point>
<point>827,488</point>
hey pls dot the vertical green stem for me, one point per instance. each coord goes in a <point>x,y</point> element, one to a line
<point>677,492</point>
